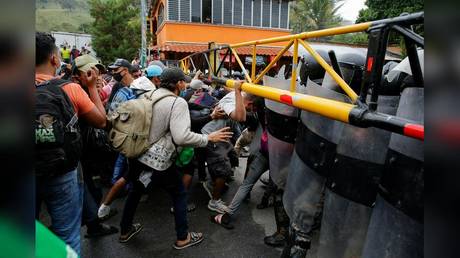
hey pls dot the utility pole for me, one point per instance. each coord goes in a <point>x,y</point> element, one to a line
<point>143,33</point>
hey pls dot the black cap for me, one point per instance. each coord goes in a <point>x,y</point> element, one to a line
<point>172,75</point>
<point>120,62</point>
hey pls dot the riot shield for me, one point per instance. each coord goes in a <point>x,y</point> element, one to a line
<point>317,137</point>
<point>282,127</point>
<point>352,186</point>
<point>396,227</point>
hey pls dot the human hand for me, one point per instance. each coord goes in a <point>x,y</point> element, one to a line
<point>222,135</point>
<point>89,79</point>
<point>237,85</point>
<point>218,113</point>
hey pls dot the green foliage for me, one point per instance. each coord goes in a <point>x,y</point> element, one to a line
<point>309,15</point>
<point>57,19</point>
<point>116,29</point>
<point>381,9</point>
<point>57,15</point>
<point>351,38</point>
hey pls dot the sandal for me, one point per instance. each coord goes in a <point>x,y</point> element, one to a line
<point>195,238</point>
<point>136,228</point>
<point>222,220</point>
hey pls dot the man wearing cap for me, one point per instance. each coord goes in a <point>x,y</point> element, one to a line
<point>170,115</point>
<point>153,73</point>
<point>201,94</point>
<point>90,158</point>
<point>122,73</point>
<point>61,194</point>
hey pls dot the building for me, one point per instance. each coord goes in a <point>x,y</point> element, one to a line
<point>182,27</point>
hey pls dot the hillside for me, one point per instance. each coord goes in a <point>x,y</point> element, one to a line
<point>62,15</point>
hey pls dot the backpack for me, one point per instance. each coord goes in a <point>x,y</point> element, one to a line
<point>131,122</point>
<point>58,142</point>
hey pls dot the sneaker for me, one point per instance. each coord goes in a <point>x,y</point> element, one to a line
<point>101,230</point>
<point>218,206</point>
<point>135,228</point>
<point>208,187</point>
<point>103,211</point>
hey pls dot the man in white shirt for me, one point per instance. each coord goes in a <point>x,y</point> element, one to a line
<point>235,104</point>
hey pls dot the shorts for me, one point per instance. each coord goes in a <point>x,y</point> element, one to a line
<point>217,158</point>
<point>188,169</point>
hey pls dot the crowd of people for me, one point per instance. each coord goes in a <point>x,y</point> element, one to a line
<point>209,127</point>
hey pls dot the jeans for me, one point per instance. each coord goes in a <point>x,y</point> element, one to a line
<point>171,181</point>
<point>89,213</point>
<point>257,167</point>
<point>119,168</point>
<point>63,199</point>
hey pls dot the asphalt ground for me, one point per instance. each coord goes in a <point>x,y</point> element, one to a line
<point>158,234</point>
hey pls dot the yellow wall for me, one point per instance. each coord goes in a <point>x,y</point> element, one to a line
<point>222,34</point>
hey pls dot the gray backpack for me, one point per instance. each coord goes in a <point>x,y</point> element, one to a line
<point>131,123</point>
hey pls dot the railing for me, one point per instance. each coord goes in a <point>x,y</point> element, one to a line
<point>359,113</point>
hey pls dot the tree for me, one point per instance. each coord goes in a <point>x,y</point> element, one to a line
<point>308,15</point>
<point>381,9</point>
<point>116,30</point>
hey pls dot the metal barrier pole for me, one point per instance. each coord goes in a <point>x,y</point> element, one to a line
<point>345,87</point>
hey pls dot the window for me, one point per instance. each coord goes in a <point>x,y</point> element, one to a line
<point>284,14</point>
<point>256,12</point>
<point>275,13</point>
<point>266,13</point>
<point>247,12</point>
<point>237,12</point>
<point>227,11</point>
<point>217,11</point>
<point>184,10</point>
<point>206,10</point>
<point>173,10</point>
<point>196,10</point>
<point>161,16</point>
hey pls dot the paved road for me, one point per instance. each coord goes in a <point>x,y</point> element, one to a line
<point>158,235</point>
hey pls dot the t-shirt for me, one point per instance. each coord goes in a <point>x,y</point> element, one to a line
<point>81,102</point>
<point>227,104</point>
<point>122,95</point>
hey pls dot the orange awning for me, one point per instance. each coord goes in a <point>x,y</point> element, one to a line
<point>193,48</point>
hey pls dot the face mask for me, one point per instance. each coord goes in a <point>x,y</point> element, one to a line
<point>182,93</point>
<point>117,77</point>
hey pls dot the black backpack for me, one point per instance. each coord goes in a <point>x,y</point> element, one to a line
<point>58,142</point>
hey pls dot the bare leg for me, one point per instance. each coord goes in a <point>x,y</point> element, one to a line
<point>116,188</point>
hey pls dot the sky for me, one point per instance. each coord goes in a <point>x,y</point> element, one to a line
<point>350,9</point>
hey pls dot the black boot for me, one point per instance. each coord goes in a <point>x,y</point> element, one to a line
<point>282,223</point>
<point>289,243</point>
<point>300,248</point>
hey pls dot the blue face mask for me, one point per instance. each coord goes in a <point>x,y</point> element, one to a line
<point>182,93</point>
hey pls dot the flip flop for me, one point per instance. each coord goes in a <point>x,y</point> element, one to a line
<point>195,239</point>
<point>222,220</point>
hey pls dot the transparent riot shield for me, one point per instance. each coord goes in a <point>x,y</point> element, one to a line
<point>314,151</point>
<point>282,127</point>
<point>396,226</point>
<point>352,186</point>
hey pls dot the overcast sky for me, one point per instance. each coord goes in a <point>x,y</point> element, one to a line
<point>350,9</point>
